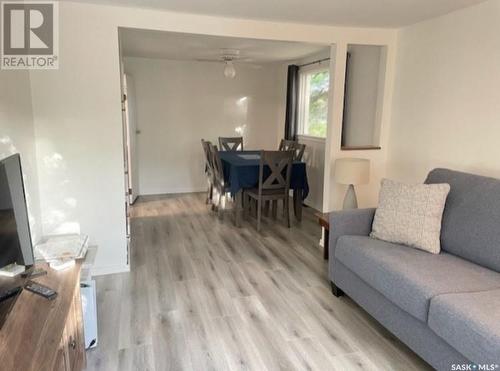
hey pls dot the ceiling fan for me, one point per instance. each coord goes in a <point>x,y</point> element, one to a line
<point>228,57</point>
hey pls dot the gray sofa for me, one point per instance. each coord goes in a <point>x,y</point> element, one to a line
<point>445,307</point>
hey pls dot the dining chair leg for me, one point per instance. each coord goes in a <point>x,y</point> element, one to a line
<point>238,207</point>
<point>248,207</point>
<point>209,194</point>
<point>266,208</point>
<point>259,213</point>
<point>274,210</point>
<point>245,205</point>
<point>287,214</point>
<point>297,204</point>
<point>251,207</point>
<point>215,195</point>
<point>221,205</point>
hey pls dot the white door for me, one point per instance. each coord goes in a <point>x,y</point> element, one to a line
<point>131,137</point>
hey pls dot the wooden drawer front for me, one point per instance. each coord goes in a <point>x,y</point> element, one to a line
<point>40,334</point>
<point>61,359</point>
<point>79,336</point>
<point>74,335</point>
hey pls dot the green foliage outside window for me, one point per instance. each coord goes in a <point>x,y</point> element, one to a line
<point>319,83</point>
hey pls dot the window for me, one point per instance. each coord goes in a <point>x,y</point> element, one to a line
<point>313,102</point>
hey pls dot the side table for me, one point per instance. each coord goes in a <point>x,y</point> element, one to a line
<point>324,221</point>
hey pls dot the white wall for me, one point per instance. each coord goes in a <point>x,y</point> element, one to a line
<point>77,111</point>
<point>77,116</point>
<point>446,110</point>
<point>17,136</point>
<point>180,102</point>
<point>360,114</point>
<point>367,194</point>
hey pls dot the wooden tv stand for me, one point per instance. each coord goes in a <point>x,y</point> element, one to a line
<point>41,334</point>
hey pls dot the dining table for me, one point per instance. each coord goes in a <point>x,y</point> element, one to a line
<point>241,171</point>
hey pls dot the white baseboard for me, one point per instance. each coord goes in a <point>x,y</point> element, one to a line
<point>110,269</point>
<point>174,191</point>
<point>312,205</point>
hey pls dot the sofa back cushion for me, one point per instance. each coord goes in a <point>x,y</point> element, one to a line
<point>471,219</point>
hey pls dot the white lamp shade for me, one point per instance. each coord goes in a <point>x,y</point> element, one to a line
<point>352,171</point>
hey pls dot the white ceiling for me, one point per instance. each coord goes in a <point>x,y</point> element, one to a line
<point>181,46</point>
<point>369,13</point>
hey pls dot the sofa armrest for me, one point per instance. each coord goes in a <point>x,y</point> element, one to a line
<point>356,222</point>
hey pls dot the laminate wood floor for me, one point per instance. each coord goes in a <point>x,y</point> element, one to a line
<point>205,295</point>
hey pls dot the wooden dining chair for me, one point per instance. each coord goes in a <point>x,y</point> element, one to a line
<point>292,145</point>
<point>274,185</point>
<point>221,188</point>
<point>231,143</point>
<point>209,169</point>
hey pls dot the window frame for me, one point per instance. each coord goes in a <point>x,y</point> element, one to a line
<point>304,97</point>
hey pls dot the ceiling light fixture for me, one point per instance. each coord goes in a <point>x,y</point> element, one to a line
<point>228,56</point>
<point>229,71</point>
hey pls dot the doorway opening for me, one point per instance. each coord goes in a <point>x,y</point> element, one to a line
<point>180,88</point>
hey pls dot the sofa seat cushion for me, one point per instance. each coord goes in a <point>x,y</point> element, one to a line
<point>408,277</point>
<point>470,323</point>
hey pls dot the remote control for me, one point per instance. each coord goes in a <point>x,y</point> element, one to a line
<point>10,293</point>
<point>41,290</point>
<point>34,273</point>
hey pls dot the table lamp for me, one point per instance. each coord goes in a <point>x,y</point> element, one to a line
<point>351,172</point>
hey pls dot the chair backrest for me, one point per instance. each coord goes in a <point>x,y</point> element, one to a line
<point>275,170</point>
<point>285,144</point>
<point>209,163</point>
<point>217,165</point>
<point>292,145</point>
<point>231,144</point>
<point>208,158</point>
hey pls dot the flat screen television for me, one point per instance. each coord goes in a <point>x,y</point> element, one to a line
<point>15,234</point>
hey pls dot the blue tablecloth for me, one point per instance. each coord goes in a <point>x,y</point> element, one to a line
<point>241,170</point>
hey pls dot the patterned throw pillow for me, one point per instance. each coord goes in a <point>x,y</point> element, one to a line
<point>410,214</point>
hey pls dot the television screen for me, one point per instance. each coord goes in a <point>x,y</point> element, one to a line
<point>15,236</point>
